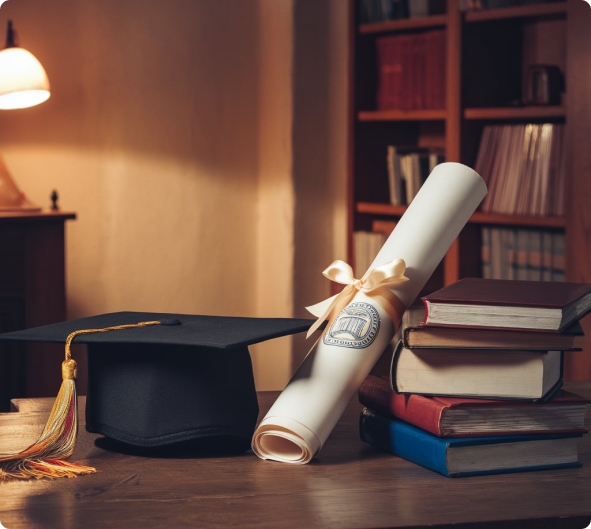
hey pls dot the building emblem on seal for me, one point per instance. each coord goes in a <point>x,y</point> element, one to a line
<point>356,327</point>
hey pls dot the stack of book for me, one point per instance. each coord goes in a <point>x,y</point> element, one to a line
<point>408,168</point>
<point>523,166</point>
<point>411,71</point>
<point>475,384</point>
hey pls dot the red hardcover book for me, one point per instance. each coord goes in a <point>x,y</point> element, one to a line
<point>431,70</point>
<point>455,417</point>
<point>418,71</point>
<point>479,303</point>
<point>441,46</point>
<point>382,97</point>
<point>406,73</point>
<point>389,67</point>
<point>435,70</point>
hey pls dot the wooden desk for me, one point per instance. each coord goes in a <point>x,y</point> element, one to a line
<point>349,485</point>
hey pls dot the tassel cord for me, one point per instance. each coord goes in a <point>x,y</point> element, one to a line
<point>46,457</point>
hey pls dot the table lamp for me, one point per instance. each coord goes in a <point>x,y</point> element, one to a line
<point>23,83</point>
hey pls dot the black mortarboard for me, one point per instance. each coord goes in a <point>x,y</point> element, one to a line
<point>176,379</point>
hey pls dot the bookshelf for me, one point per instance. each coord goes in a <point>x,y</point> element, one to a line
<point>487,53</point>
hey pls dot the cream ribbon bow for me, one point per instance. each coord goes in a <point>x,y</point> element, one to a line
<point>375,283</point>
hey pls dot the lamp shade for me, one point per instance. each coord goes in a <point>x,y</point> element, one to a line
<point>23,81</point>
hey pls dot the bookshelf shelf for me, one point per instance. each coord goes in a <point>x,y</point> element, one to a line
<point>392,26</point>
<point>400,115</point>
<point>518,220</point>
<point>533,112</point>
<point>380,209</point>
<point>478,217</point>
<point>529,11</point>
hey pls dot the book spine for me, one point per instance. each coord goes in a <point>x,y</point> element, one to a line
<point>403,441</point>
<point>558,268</point>
<point>485,253</point>
<point>376,394</point>
<point>557,466</point>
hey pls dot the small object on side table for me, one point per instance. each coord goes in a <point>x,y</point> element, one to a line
<point>54,199</point>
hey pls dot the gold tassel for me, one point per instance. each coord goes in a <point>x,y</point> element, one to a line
<point>45,458</point>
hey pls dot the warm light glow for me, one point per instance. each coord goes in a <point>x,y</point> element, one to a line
<point>23,81</point>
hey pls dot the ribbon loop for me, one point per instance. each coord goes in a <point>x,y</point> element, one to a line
<point>374,282</point>
<point>339,272</point>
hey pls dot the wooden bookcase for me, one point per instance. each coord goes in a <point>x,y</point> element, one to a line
<point>487,54</point>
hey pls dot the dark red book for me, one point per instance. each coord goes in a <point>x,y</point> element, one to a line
<point>389,67</point>
<point>418,71</point>
<point>480,303</point>
<point>416,335</point>
<point>455,417</point>
<point>441,46</point>
<point>435,70</point>
<point>406,73</point>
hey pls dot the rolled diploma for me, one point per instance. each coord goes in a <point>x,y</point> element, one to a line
<point>304,415</point>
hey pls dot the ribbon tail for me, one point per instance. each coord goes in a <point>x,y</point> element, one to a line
<point>320,308</point>
<point>333,305</point>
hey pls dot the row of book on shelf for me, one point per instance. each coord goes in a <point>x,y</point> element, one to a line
<point>476,5</point>
<point>529,254</point>
<point>371,11</point>
<point>411,71</point>
<point>407,171</point>
<point>475,380</point>
<point>524,254</point>
<point>523,166</point>
<point>385,10</point>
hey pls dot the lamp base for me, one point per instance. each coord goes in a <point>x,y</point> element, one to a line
<point>11,199</point>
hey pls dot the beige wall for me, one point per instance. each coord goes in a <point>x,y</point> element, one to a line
<point>171,133</point>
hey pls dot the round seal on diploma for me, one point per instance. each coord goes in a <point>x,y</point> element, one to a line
<point>356,327</point>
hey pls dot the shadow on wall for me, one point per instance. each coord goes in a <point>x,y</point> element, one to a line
<point>319,150</point>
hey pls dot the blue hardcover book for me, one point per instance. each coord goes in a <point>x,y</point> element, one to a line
<point>474,456</point>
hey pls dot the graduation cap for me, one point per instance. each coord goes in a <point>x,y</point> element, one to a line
<point>154,380</point>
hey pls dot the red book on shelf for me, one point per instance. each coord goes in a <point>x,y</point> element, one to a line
<point>407,76</point>
<point>418,71</point>
<point>455,417</point>
<point>382,84</point>
<point>441,47</point>
<point>389,67</point>
<point>430,71</point>
<point>542,305</point>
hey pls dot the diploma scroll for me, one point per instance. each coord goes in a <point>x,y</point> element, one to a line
<point>304,415</point>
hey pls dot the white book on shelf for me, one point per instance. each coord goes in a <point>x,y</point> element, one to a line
<point>531,150</point>
<point>542,166</point>
<point>393,178</point>
<point>415,168</point>
<point>501,168</point>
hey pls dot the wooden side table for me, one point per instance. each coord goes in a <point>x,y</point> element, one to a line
<point>32,293</point>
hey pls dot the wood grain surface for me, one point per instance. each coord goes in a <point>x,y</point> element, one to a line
<point>348,485</point>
